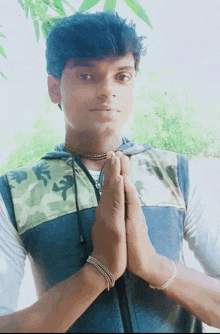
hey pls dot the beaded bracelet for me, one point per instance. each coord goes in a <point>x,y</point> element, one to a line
<point>105,272</point>
<point>170,280</point>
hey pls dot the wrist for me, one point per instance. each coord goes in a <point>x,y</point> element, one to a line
<point>169,281</point>
<point>159,272</point>
<point>94,277</point>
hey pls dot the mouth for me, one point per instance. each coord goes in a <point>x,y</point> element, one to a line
<point>105,110</point>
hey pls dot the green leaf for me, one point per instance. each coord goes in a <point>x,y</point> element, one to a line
<point>2,74</point>
<point>45,27</point>
<point>33,13</point>
<point>109,5</point>
<point>2,51</point>
<point>41,9</point>
<point>55,20</point>
<point>26,9</point>
<point>21,3</point>
<point>2,35</point>
<point>69,5</point>
<point>87,4</point>
<point>138,10</point>
<point>35,21</point>
<point>59,7</point>
<point>36,29</point>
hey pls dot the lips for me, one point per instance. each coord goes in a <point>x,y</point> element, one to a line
<point>104,107</point>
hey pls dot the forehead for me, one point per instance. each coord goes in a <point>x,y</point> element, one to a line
<point>113,63</point>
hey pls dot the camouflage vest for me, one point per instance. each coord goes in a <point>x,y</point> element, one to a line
<point>53,210</point>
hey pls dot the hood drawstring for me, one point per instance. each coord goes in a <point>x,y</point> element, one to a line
<point>82,239</point>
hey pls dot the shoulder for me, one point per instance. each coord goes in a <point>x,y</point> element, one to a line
<point>17,182</point>
<point>165,162</point>
<point>163,154</point>
<point>40,171</point>
<point>155,173</point>
<point>165,157</point>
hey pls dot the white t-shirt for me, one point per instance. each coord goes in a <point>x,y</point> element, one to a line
<point>202,232</point>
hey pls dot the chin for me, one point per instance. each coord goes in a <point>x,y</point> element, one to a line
<point>107,128</point>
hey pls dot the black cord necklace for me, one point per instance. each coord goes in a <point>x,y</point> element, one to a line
<point>89,156</point>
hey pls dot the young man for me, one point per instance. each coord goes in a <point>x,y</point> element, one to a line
<point>84,239</point>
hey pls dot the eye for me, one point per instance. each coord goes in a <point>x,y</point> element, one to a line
<point>124,77</point>
<point>85,76</point>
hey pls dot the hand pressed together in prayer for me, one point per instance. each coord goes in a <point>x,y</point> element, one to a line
<point>120,233</point>
<point>141,255</point>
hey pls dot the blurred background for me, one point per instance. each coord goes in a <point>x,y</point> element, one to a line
<point>177,91</point>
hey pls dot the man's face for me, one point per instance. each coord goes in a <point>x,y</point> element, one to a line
<point>97,95</point>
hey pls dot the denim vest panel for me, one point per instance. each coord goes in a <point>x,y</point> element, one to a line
<point>52,238</point>
<point>57,254</point>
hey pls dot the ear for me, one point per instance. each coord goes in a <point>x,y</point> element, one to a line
<point>54,89</point>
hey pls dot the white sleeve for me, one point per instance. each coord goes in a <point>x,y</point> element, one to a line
<point>202,223</point>
<point>12,262</point>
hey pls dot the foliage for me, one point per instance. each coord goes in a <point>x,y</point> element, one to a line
<point>33,144</point>
<point>164,115</point>
<point>2,52</point>
<point>40,13</point>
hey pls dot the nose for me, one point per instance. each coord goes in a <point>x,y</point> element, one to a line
<point>107,92</point>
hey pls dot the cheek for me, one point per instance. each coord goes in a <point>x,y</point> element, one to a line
<point>83,93</point>
<point>128,100</point>
<point>77,96</point>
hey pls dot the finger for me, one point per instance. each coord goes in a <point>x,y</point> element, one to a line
<point>112,170</point>
<point>118,189</point>
<point>125,166</point>
<point>131,192</point>
<point>115,167</point>
<point>107,169</point>
<point>119,154</point>
<point>133,203</point>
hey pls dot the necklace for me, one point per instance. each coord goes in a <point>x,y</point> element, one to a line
<point>90,156</point>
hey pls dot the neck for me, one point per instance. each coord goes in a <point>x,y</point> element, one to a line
<point>92,143</point>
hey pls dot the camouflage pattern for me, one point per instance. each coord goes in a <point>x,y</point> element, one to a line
<point>46,190</point>
<point>154,174</point>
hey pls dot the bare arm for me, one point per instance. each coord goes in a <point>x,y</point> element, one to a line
<point>59,307</point>
<point>195,291</point>
<point>62,305</point>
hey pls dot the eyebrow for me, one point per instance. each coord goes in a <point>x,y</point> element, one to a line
<point>126,68</point>
<point>88,63</point>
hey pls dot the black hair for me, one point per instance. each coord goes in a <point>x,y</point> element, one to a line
<point>93,36</point>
